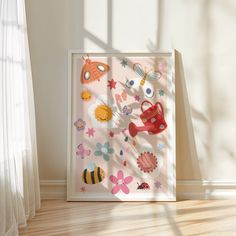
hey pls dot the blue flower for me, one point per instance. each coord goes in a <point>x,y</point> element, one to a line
<point>103,150</point>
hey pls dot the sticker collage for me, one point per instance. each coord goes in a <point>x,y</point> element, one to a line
<point>121,143</point>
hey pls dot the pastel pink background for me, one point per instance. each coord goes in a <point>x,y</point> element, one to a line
<point>157,144</point>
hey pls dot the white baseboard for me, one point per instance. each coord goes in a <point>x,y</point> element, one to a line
<point>53,189</point>
<point>204,189</point>
<point>186,189</point>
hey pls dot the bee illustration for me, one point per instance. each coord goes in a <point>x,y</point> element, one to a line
<point>143,185</point>
<point>93,174</point>
<point>144,80</point>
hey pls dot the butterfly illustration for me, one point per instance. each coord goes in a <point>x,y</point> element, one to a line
<point>92,71</point>
<point>121,97</point>
<point>144,80</point>
<point>127,110</point>
<point>82,152</point>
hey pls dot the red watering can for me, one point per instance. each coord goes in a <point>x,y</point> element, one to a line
<point>152,118</point>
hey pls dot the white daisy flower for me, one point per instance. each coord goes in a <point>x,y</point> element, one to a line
<point>103,113</point>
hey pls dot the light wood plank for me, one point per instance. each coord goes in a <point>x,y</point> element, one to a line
<point>195,217</point>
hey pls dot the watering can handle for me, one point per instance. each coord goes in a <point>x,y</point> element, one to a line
<point>158,105</point>
<point>146,101</point>
<point>160,108</point>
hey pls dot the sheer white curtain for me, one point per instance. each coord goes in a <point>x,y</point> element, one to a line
<point>19,181</point>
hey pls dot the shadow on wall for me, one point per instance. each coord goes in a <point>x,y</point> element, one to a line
<point>187,163</point>
<point>186,150</point>
<point>109,46</point>
<point>185,142</point>
<point>186,159</point>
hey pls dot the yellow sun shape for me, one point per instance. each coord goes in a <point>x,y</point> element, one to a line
<point>86,95</point>
<point>103,113</point>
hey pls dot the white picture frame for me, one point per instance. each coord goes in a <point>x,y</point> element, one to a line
<point>73,192</point>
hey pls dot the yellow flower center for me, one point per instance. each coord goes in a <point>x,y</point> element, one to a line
<point>103,113</point>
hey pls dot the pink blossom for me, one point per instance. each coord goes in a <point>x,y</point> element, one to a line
<point>120,182</point>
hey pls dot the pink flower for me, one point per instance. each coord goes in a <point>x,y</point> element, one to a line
<point>120,182</point>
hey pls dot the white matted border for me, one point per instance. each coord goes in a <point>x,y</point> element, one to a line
<point>171,195</point>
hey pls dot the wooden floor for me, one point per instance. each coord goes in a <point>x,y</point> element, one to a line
<point>208,217</point>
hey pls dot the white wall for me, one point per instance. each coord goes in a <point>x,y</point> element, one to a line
<point>203,31</point>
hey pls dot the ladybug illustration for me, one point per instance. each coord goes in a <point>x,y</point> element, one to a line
<point>143,185</point>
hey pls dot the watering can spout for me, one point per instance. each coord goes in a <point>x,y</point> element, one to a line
<point>134,129</point>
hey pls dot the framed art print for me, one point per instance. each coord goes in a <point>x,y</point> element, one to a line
<point>121,127</point>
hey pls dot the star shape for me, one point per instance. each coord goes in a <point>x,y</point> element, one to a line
<point>90,132</point>
<point>137,98</point>
<point>161,92</point>
<point>158,184</point>
<point>124,62</point>
<point>111,84</point>
<point>161,146</point>
<point>111,134</point>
